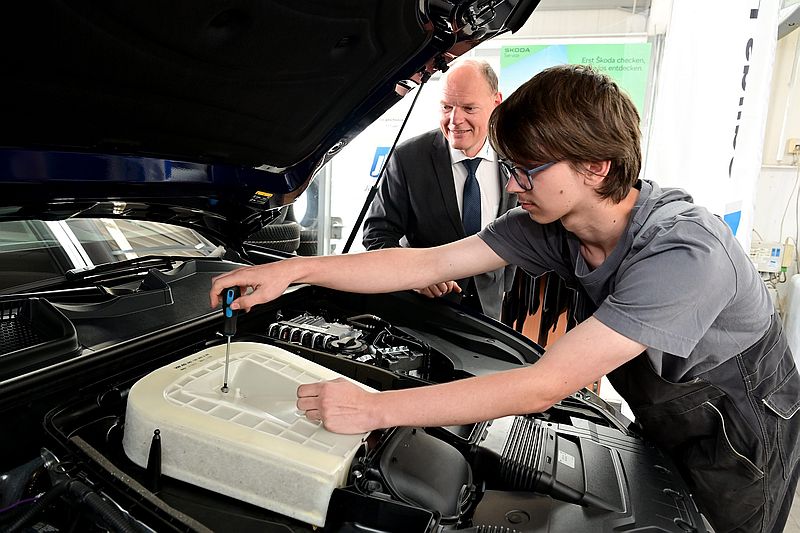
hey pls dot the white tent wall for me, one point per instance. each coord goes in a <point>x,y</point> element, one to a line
<point>710,105</point>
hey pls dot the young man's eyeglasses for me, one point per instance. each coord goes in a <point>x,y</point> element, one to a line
<point>523,176</point>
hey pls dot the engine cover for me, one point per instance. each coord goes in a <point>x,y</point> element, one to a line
<point>250,443</point>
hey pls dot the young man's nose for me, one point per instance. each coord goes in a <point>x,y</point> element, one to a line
<point>513,187</point>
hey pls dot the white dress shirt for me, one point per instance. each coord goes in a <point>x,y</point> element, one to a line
<point>488,179</point>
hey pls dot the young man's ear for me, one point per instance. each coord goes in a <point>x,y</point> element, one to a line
<point>596,172</point>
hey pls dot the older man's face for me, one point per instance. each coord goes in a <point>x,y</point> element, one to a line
<point>466,104</point>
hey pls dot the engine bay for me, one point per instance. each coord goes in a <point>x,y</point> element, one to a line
<point>576,467</point>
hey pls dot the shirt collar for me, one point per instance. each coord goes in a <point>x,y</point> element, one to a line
<point>486,152</point>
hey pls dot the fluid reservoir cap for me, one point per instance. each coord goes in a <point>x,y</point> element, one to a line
<point>518,517</point>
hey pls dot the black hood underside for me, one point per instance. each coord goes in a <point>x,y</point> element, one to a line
<point>253,82</point>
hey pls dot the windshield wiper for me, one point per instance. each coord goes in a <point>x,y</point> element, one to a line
<point>85,279</point>
<point>125,267</point>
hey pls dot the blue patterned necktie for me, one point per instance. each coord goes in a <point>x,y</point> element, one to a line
<point>471,208</point>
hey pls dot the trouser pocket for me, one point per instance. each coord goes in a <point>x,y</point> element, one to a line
<point>782,423</point>
<point>725,482</point>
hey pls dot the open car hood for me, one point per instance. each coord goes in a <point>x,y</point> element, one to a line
<point>207,110</point>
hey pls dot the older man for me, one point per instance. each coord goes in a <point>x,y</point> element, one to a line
<point>445,185</point>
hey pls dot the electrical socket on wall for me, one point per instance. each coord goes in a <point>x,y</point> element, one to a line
<point>793,146</point>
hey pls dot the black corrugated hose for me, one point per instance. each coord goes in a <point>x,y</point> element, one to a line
<point>112,516</point>
<point>49,496</point>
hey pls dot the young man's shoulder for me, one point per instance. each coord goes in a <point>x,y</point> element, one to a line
<point>665,209</point>
<point>684,216</point>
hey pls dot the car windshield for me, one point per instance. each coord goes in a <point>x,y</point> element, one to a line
<point>36,250</point>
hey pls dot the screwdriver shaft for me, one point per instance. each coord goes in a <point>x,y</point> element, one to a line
<point>227,360</point>
<point>229,328</point>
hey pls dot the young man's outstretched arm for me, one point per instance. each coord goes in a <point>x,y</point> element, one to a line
<point>581,356</point>
<point>378,271</point>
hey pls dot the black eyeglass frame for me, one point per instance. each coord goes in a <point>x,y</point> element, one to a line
<point>515,170</point>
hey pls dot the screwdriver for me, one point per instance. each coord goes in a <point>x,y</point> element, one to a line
<point>229,330</point>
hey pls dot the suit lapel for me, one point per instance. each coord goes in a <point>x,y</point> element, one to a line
<point>444,177</point>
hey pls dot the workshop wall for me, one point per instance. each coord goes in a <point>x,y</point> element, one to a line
<point>776,196</point>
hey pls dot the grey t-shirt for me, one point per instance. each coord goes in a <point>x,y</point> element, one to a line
<point>683,286</point>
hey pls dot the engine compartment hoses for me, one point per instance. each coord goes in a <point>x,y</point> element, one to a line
<point>82,494</point>
<point>49,496</point>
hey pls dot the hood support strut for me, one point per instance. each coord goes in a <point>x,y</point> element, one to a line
<point>425,76</point>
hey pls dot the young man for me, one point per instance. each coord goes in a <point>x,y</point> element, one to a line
<point>675,313</point>
<point>427,190</point>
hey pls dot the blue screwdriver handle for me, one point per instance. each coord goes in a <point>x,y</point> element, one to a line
<point>228,296</point>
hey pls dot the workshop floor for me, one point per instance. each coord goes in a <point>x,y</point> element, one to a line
<point>793,523</point>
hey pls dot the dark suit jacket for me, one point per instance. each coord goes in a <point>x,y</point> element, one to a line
<point>416,206</point>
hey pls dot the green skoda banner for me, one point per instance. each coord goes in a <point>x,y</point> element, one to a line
<point>627,64</point>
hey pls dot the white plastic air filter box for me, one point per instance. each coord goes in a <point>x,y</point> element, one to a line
<point>250,443</point>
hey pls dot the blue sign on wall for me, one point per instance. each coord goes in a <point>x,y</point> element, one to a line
<point>733,219</point>
<point>377,162</point>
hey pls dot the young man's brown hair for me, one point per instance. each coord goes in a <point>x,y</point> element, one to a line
<point>571,113</point>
